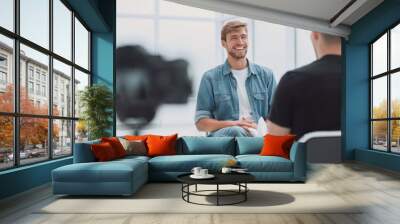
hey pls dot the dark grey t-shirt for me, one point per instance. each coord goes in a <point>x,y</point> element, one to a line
<point>309,98</point>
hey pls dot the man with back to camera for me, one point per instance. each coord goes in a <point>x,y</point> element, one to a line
<point>308,98</point>
<point>234,95</point>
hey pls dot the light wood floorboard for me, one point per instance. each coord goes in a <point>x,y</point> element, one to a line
<point>378,189</point>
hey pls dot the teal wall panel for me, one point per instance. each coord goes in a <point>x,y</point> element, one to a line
<point>376,158</point>
<point>103,51</point>
<point>375,22</point>
<point>356,128</point>
<point>24,178</point>
<point>91,14</point>
<point>356,88</point>
<point>103,64</point>
<point>102,58</point>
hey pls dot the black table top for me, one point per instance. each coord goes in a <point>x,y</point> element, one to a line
<point>220,178</point>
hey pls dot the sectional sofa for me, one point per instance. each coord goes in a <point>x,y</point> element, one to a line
<point>125,176</point>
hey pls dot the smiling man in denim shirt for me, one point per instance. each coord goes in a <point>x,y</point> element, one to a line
<point>233,96</point>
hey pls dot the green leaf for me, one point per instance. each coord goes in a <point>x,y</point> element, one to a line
<point>96,102</point>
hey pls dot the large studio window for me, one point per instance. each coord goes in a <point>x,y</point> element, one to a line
<point>385,94</point>
<point>39,124</point>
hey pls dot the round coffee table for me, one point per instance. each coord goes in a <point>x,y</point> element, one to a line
<point>238,179</point>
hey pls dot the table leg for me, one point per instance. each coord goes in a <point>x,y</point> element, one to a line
<point>245,193</point>
<point>196,188</point>
<point>188,190</point>
<point>217,194</point>
<point>182,188</point>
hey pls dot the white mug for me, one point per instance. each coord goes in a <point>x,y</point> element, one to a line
<point>196,170</point>
<point>203,172</point>
<point>226,170</point>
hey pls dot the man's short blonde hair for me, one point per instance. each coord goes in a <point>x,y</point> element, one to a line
<point>232,26</point>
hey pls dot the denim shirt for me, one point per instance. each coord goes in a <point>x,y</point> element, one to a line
<point>217,97</point>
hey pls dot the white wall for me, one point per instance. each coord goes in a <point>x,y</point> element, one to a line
<point>274,47</point>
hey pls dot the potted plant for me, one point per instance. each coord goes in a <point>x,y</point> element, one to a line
<point>96,102</point>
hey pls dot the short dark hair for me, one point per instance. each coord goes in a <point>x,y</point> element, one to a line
<point>231,26</point>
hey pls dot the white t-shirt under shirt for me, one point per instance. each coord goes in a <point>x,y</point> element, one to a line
<point>244,104</point>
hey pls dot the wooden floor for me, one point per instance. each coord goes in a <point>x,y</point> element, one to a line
<point>378,188</point>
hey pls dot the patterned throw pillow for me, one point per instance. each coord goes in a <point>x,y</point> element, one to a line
<point>134,147</point>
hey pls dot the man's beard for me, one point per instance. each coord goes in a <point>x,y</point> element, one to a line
<point>237,54</point>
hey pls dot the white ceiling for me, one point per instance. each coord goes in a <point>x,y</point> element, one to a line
<point>315,15</point>
<point>320,9</point>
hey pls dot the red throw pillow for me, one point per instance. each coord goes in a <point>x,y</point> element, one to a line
<point>103,151</point>
<point>161,145</point>
<point>277,145</point>
<point>136,137</point>
<point>116,145</point>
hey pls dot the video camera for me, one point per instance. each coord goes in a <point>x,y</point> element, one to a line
<point>145,81</point>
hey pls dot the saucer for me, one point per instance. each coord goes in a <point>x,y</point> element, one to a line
<point>208,176</point>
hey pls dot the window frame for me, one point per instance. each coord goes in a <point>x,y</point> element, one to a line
<point>3,70</point>
<point>388,74</point>
<point>3,77</point>
<point>16,114</point>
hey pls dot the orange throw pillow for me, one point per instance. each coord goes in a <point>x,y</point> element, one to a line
<point>277,145</point>
<point>136,137</point>
<point>161,145</point>
<point>103,152</point>
<point>116,145</point>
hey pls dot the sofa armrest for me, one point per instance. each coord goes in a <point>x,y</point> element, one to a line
<point>322,146</point>
<point>83,152</point>
<point>298,157</point>
<point>319,134</point>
